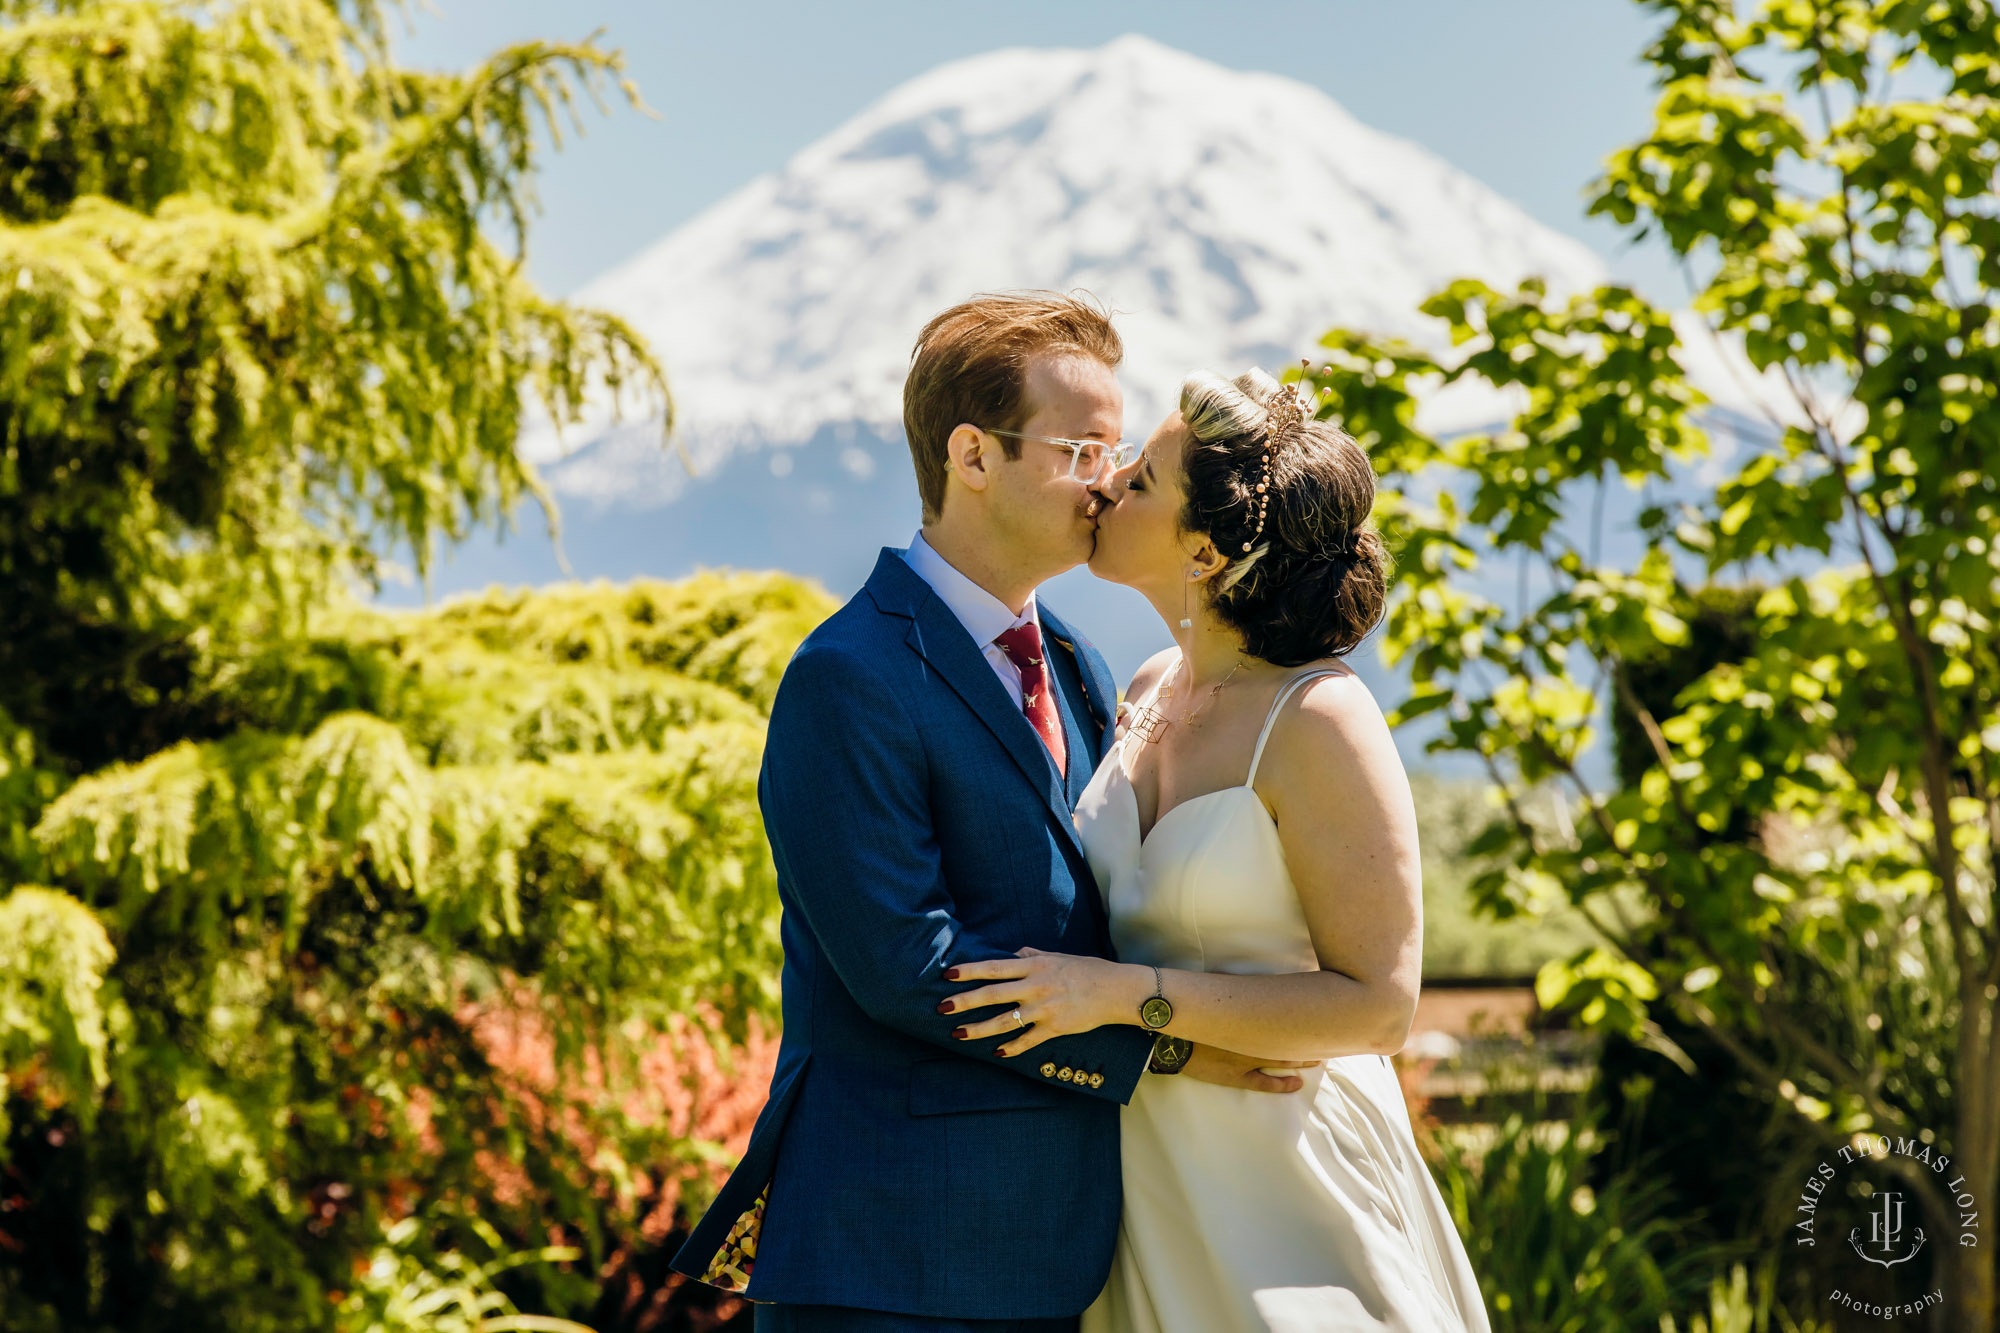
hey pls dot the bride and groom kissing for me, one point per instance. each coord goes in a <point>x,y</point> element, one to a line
<point>1088,1006</point>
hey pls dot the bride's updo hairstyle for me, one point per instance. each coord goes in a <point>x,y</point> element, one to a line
<point>1313,584</point>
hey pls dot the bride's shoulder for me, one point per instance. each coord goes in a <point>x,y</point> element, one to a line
<point>1330,721</point>
<point>1149,672</point>
<point>1338,695</point>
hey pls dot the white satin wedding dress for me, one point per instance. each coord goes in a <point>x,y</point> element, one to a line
<point>1250,1212</point>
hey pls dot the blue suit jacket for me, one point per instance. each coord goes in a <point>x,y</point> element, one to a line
<point>917,822</point>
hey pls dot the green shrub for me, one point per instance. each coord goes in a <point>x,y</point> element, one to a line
<point>1552,1253</point>
<point>248,1021</point>
<point>1734,1308</point>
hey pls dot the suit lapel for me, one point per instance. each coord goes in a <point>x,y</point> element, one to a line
<point>1091,726</point>
<point>1100,694</point>
<point>937,637</point>
<point>1082,745</point>
<point>1079,727</point>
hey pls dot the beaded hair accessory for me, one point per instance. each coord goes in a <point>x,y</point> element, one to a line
<point>1286,416</point>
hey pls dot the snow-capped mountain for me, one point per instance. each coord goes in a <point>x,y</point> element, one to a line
<point>1228,218</point>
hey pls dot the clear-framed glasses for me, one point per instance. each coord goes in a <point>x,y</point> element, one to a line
<point>1089,460</point>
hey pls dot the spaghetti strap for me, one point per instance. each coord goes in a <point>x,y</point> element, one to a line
<point>1271,718</point>
<point>1154,693</point>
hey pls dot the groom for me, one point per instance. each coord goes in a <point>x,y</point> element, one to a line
<point>926,748</point>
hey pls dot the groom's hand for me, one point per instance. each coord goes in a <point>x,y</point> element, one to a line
<point>1213,1065</point>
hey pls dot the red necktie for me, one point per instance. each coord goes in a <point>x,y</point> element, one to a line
<point>1023,646</point>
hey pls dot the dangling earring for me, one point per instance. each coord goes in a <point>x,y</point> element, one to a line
<point>1186,623</point>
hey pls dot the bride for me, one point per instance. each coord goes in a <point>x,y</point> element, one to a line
<point>1253,835</point>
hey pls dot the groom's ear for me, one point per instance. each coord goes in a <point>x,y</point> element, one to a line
<point>966,454</point>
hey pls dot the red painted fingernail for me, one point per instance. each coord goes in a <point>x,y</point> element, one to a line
<point>945,1007</point>
<point>958,1033</point>
<point>951,974</point>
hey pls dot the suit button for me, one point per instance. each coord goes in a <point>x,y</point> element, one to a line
<point>1065,1073</point>
<point>1097,1080</point>
<point>1049,1069</point>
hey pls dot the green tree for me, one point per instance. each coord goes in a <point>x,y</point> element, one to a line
<point>1813,837</point>
<point>272,865</point>
<point>265,987</point>
<point>254,332</point>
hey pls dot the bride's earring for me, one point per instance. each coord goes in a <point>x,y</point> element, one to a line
<point>1186,623</point>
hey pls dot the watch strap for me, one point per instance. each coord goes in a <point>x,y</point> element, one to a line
<point>1156,1011</point>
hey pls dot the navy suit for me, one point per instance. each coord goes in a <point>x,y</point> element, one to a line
<point>917,821</point>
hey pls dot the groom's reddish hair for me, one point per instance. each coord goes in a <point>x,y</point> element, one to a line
<point>970,367</point>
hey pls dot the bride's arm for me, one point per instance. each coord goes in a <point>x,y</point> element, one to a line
<point>1337,789</point>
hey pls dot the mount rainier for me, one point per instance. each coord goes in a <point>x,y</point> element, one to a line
<point>1227,218</point>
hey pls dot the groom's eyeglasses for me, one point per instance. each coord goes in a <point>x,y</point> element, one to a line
<point>1089,460</point>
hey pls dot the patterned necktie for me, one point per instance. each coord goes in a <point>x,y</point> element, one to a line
<point>1023,646</point>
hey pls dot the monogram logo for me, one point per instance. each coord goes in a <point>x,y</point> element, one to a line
<point>1885,1232</point>
<point>1907,1181</point>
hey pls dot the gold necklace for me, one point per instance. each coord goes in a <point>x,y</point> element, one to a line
<point>1150,723</point>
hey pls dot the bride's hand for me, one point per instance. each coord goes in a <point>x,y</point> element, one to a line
<point>1055,994</point>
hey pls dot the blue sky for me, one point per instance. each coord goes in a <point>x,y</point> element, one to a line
<point>1528,96</point>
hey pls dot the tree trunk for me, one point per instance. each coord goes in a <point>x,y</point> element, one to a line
<point>1967,1273</point>
<point>1968,1289</point>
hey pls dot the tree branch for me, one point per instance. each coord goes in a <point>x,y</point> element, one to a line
<point>1943,853</point>
<point>1908,1171</point>
<point>1829,1062</point>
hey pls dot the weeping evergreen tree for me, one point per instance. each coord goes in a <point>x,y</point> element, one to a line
<point>254,330</point>
<point>273,864</point>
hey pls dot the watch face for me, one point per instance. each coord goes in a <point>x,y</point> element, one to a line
<point>1170,1053</point>
<point>1156,1012</point>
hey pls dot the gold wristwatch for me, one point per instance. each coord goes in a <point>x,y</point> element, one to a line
<point>1170,1054</point>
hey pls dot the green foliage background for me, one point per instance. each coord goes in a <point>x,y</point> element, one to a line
<point>237,1035</point>
<point>268,859</point>
<point>1796,855</point>
<point>1460,940</point>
